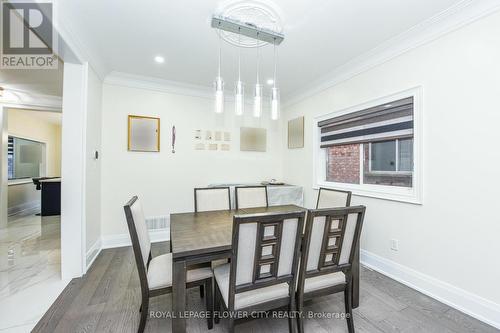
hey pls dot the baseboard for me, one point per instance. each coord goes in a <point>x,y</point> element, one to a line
<point>93,252</point>
<point>24,208</point>
<point>120,240</point>
<point>464,301</point>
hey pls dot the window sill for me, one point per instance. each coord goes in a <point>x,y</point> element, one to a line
<point>392,193</point>
<point>14,182</point>
<point>389,173</point>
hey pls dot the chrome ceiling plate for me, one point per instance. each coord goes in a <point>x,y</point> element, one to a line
<point>259,34</point>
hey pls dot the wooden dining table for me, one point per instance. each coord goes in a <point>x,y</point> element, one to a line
<point>206,236</point>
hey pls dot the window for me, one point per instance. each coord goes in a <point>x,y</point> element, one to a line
<point>370,150</point>
<point>24,158</point>
<point>389,162</point>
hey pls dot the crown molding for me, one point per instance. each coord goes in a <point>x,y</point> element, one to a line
<point>77,46</point>
<point>166,86</point>
<point>27,100</point>
<point>447,21</point>
<point>157,84</point>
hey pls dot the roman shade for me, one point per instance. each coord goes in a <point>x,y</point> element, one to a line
<point>383,122</point>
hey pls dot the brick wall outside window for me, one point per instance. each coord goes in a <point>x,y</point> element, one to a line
<point>343,164</point>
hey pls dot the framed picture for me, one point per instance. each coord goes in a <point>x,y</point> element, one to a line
<point>296,133</point>
<point>253,139</point>
<point>143,134</point>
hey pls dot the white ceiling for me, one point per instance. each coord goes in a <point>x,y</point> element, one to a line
<point>320,36</point>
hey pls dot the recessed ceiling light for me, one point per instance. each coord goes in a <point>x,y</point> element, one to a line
<point>159,59</point>
<point>270,81</point>
<point>387,105</point>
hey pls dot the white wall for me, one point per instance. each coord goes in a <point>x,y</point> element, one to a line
<point>73,195</point>
<point>165,181</point>
<point>35,125</point>
<point>30,125</point>
<point>93,166</point>
<point>451,241</point>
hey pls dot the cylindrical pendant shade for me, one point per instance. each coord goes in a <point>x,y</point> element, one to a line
<point>219,95</point>
<point>257,101</point>
<point>275,103</point>
<point>239,102</point>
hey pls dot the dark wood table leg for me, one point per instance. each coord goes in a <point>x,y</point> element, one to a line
<point>355,279</point>
<point>179,296</point>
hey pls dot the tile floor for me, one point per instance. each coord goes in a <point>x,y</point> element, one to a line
<point>30,261</point>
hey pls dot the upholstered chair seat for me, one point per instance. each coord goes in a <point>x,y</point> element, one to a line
<point>247,298</point>
<point>160,272</point>
<point>324,281</point>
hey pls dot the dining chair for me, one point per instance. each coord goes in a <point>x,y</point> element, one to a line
<point>250,196</point>
<point>155,274</point>
<point>263,269</point>
<point>212,198</point>
<point>330,198</point>
<point>209,199</point>
<point>328,251</point>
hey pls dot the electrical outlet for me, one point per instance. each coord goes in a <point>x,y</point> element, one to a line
<point>394,245</point>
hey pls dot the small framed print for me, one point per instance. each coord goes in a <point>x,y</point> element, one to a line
<point>296,133</point>
<point>143,134</point>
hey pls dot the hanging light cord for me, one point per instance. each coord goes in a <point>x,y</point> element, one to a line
<point>219,50</point>
<point>275,62</point>
<point>239,54</point>
<point>258,57</point>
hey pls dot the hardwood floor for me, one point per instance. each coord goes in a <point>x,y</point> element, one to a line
<point>107,299</point>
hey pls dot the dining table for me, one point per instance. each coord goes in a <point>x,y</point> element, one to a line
<point>202,237</point>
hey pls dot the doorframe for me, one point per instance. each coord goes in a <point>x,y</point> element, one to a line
<point>4,182</point>
<point>73,171</point>
<point>73,165</point>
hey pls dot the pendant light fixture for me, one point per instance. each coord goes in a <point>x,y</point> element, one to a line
<point>219,86</point>
<point>257,98</point>
<point>239,98</point>
<point>275,94</point>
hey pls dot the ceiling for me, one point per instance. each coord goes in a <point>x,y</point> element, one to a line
<point>320,36</point>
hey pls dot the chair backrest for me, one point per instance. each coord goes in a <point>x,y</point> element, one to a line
<point>265,251</point>
<point>329,198</point>
<point>139,235</point>
<point>330,241</point>
<point>250,196</point>
<point>212,198</point>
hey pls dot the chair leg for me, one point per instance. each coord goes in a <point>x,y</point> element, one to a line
<point>202,291</point>
<point>144,315</point>
<point>348,307</point>
<point>216,304</point>
<point>291,309</point>
<point>210,303</point>
<point>300,309</point>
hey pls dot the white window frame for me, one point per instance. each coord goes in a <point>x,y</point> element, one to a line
<point>403,194</point>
